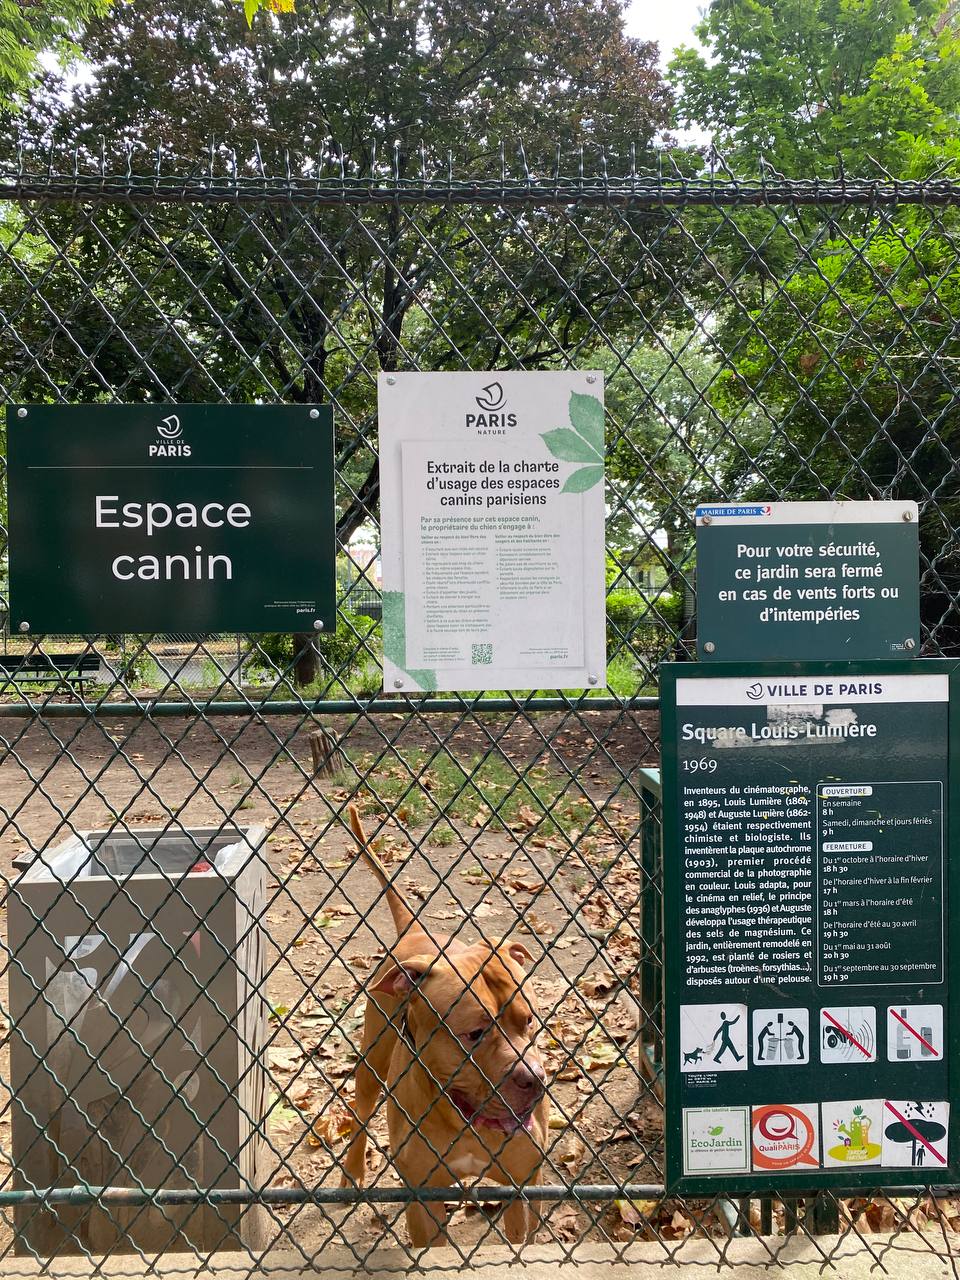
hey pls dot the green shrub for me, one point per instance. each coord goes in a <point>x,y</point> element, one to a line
<point>642,624</point>
<point>342,652</point>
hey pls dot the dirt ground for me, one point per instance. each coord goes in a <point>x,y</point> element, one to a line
<point>554,862</point>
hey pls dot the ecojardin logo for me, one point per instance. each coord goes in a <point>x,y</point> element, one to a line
<point>491,421</point>
<point>170,446</point>
<point>716,1140</point>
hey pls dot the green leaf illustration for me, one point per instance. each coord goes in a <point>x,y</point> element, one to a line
<point>581,480</point>
<point>569,447</point>
<point>394,628</point>
<point>425,678</point>
<point>586,417</point>
<point>395,640</point>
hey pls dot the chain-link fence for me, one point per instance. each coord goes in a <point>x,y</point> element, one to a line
<point>206,987</point>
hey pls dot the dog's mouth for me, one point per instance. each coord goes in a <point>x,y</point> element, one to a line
<point>506,1122</point>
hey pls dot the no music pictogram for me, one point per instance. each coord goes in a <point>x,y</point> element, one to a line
<point>848,1034</point>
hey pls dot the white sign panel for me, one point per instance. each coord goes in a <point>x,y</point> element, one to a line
<point>492,506</point>
<point>805,513</point>
<point>807,691</point>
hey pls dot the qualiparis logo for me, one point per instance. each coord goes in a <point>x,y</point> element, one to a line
<point>170,446</point>
<point>491,421</point>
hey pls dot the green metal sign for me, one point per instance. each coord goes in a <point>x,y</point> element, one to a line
<point>811,1031</point>
<point>184,517</point>
<point>810,581</point>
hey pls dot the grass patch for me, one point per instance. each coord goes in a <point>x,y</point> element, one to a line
<point>442,835</point>
<point>415,788</point>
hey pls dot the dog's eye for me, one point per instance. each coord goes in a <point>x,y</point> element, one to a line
<point>471,1037</point>
<point>530,1022</point>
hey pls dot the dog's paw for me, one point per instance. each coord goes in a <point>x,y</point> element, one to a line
<point>347,1180</point>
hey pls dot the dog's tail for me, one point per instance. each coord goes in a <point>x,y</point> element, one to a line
<point>403,917</point>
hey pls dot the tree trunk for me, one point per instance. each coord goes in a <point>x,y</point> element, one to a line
<point>306,665</point>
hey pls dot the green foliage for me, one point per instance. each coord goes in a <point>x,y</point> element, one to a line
<point>28,30</point>
<point>582,479</point>
<point>343,653</point>
<point>625,610</point>
<point>331,82</point>
<point>568,446</point>
<point>623,676</point>
<point>584,443</point>
<point>668,447</point>
<point>854,364</point>
<point>641,624</point>
<point>316,90</point>
<point>836,348</point>
<point>130,659</point>
<point>586,418</point>
<point>835,368</point>
<point>809,85</point>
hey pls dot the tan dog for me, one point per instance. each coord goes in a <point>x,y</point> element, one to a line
<point>449,1033</point>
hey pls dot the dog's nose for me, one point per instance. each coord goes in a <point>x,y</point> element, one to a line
<point>530,1076</point>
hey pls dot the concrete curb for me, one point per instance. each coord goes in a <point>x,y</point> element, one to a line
<point>922,1256</point>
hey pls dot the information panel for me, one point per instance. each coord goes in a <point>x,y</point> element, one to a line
<point>807,580</point>
<point>808,1017</point>
<point>183,518</point>
<point>493,530</point>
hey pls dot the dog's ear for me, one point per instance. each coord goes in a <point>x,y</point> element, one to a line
<point>517,952</point>
<point>400,979</point>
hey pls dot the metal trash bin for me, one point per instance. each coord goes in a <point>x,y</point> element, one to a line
<point>138,1026</point>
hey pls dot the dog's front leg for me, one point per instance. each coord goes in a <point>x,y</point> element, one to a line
<point>366,1096</point>
<point>427,1224</point>
<point>376,1049</point>
<point>521,1218</point>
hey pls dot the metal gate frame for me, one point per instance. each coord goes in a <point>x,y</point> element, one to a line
<point>80,238</point>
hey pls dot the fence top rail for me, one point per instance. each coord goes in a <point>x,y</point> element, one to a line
<point>29,179</point>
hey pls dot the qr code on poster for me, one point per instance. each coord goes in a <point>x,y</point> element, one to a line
<point>481,655</point>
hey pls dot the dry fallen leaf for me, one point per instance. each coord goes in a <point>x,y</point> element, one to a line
<point>634,1212</point>
<point>565,1225</point>
<point>282,1059</point>
<point>532,923</point>
<point>597,984</point>
<point>330,1128</point>
<point>678,1226</point>
<point>573,1156</point>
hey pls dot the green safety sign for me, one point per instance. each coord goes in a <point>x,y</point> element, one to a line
<point>810,1033</point>
<point>196,518</point>
<point>807,580</point>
